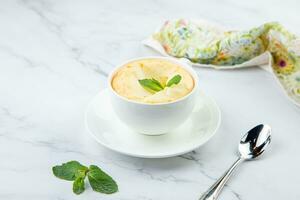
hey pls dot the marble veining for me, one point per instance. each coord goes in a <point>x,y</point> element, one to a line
<point>56,55</point>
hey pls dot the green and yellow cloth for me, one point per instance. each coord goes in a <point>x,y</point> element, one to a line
<point>210,45</point>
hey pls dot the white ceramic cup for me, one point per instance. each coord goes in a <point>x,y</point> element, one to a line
<point>154,119</point>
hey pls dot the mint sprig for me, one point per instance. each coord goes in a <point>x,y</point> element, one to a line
<point>74,171</point>
<point>153,85</point>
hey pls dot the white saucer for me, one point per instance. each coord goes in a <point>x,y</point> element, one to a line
<point>108,130</point>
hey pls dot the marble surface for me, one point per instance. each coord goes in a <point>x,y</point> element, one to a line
<point>55,56</point>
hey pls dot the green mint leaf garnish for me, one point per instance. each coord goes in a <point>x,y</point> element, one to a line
<point>67,171</point>
<point>100,181</point>
<point>74,171</point>
<point>78,185</point>
<point>151,84</point>
<point>175,80</point>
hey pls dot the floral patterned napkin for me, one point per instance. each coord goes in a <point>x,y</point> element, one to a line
<point>208,45</point>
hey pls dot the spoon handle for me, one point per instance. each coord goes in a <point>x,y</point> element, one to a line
<point>213,192</point>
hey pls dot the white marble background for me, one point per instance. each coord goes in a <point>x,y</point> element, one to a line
<point>55,56</point>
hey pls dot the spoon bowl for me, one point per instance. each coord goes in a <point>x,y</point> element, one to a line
<point>255,142</point>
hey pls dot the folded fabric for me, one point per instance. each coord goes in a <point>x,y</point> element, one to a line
<point>208,45</point>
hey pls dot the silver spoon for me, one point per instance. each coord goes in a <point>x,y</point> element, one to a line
<point>251,146</point>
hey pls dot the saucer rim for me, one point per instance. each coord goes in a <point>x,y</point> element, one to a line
<point>91,102</point>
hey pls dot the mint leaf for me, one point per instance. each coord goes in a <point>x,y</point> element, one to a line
<point>151,84</point>
<point>100,181</point>
<point>67,171</point>
<point>78,185</point>
<point>175,80</point>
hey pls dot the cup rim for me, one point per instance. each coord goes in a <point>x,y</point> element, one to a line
<point>183,64</point>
